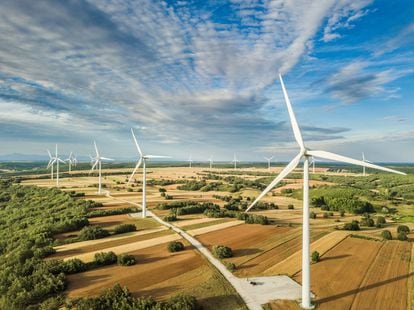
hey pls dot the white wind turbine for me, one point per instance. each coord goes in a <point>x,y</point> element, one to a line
<point>305,153</point>
<point>97,162</point>
<point>71,160</point>
<point>235,161</point>
<point>268,161</point>
<point>211,162</point>
<point>190,160</point>
<point>52,161</point>
<point>142,159</point>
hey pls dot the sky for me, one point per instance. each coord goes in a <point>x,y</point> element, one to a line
<point>201,77</point>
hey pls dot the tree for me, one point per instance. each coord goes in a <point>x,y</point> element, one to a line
<point>175,246</point>
<point>315,256</point>
<point>342,213</point>
<point>124,228</point>
<point>352,226</point>
<point>92,232</point>
<point>221,251</point>
<point>126,260</point>
<point>312,215</point>
<point>291,207</point>
<point>380,221</point>
<point>402,236</point>
<point>386,234</point>
<point>403,228</point>
<point>105,258</point>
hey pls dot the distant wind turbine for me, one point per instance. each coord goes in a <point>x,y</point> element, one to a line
<point>305,153</point>
<point>52,161</point>
<point>71,160</point>
<point>190,160</point>
<point>142,159</point>
<point>50,165</point>
<point>211,162</point>
<point>268,161</point>
<point>235,161</point>
<point>97,163</point>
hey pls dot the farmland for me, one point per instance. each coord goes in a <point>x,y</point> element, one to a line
<point>373,271</point>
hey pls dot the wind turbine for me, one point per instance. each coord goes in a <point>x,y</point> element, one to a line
<point>211,162</point>
<point>54,160</point>
<point>190,160</point>
<point>235,161</point>
<point>142,159</point>
<point>97,162</point>
<point>268,161</point>
<point>71,161</point>
<point>306,153</point>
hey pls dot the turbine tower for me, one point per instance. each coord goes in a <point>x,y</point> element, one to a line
<point>305,153</point>
<point>190,160</point>
<point>211,162</point>
<point>268,161</point>
<point>235,161</point>
<point>364,160</point>
<point>142,159</point>
<point>52,161</point>
<point>97,163</point>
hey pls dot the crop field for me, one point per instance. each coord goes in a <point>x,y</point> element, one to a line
<point>161,274</point>
<point>353,273</point>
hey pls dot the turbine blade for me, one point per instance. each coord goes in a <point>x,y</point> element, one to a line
<point>61,160</point>
<point>136,142</point>
<point>288,169</point>
<point>336,157</point>
<point>94,165</point>
<point>50,155</point>
<point>294,123</point>
<point>135,170</point>
<point>96,149</point>
<point>156,156</point>
<point>106,158</point>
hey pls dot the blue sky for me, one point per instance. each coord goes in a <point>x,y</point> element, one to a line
<point>200,77</point>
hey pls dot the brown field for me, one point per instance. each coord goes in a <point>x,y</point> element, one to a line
<point>78,248</point>
<point>161,274</point>
<point>292,264</point>
<point>337,277</point>
<point>385,284</point>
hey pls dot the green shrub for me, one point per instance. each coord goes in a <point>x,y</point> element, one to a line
<point>170,218</point>
<point>175,246</point>
<point>381,220</point>
<point>402,236</point>
<point>312,215</point>
<point>126,260</point>
<point>74,265</point>
<point>403,228</point>
<point>352,226</point>
<point>386,234</point>
<point>92,232</point>
<point>315,256</point>
<point>342,213</point>
<point>325,215</point>
<point>291,207</point>
<point>105,258</point>
<point>230,266</point>
<point>124,228</point>
<point>221,251</point>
